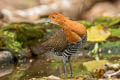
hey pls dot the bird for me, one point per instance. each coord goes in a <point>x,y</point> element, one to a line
<point>66,41</point>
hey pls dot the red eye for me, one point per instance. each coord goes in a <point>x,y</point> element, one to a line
<point>53,17</point>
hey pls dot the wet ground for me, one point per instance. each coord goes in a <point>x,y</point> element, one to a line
<point>43,66</point>
<point>38,67</point>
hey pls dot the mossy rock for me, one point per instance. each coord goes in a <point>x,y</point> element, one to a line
<point>17,36</point>
<point>106,21</point>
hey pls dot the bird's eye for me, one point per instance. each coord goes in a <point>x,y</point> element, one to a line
<point>53,17</point>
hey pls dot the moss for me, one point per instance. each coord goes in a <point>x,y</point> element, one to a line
<point>78,67</point>
<point>115,32</point>
<point>106,21</point>
<point>110,44</point>
<point>55,63</point>
<point>17,75</point>
<point>113,58</point>
<point>86,23</point>
<point>17,36</point>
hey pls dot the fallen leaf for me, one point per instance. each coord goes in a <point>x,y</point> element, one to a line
<point>98,33</point>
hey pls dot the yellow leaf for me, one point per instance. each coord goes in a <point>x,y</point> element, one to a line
<point>94,65</point>
<point>98,33</point>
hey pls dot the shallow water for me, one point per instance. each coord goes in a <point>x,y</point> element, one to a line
<point>37,67</point>
<point>42,66</point>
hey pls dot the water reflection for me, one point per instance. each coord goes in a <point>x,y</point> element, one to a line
<point>33,68</point>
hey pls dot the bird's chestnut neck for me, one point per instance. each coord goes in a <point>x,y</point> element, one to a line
<point>64,23</point>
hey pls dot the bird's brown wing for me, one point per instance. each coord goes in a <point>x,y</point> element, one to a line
<point>57,41</point>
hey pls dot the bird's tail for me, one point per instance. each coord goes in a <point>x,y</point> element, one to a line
<point>39,48</point>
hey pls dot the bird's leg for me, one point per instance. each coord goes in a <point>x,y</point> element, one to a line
<point>69,62</point>
<point>64,62</point>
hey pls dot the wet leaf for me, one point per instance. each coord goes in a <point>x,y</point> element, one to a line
<point>94,65</point>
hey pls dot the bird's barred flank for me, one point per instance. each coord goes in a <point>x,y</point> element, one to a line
<point>71,48</point>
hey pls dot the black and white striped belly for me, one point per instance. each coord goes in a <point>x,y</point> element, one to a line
<point>71,48</point>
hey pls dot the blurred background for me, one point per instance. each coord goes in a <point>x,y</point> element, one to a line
<point>98,59</point>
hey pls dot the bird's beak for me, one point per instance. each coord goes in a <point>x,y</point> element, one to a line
<point>48,20</point>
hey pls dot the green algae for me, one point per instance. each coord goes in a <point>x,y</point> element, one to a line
<point>109,44</point>
<point>115,32</point>
<point>107,21</point>
<point>17,75</point>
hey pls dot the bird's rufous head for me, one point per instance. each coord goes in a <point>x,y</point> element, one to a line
<point>57,18</point>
